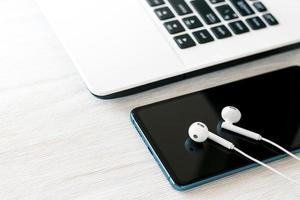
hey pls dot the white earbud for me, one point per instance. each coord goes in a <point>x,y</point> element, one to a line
<point>199,133</point>
<point>232,115</point>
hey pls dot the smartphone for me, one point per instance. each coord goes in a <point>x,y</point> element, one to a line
<point>270,106</point>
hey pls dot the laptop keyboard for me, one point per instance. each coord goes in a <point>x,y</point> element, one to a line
<point>192,22</point>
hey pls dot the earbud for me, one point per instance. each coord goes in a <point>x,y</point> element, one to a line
<point>199,132</point>
<point>232,115</point>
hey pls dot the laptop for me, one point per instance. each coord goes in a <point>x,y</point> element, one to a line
<point>122,47</point>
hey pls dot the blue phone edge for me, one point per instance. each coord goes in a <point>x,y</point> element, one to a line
<point>202,182</point>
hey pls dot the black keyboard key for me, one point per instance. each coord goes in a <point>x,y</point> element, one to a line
<point>256,23</point>
<point>260,7</point>
<point>192,22</point>
<point>174,27</point>
<point>216,1</point>
<point>243,7</point>
<point>184,41</point>
<point>203,36</point>
<point>238,27</point>
<point>205,12</point>
<point>270,19</point>
<point>153,3</point>
<point>164,13</point>
<point>181,7</point>
<point>221,32</point>
<point>226,12</point>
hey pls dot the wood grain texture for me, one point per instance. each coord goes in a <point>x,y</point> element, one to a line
<point>57,141</point>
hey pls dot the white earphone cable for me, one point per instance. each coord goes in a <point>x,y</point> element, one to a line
<point>281,148</point>
<point>265,165</point>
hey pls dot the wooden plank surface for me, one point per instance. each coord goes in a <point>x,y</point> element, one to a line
<point>57,141</point>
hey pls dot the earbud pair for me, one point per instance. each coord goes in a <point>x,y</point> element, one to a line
<point>230,115</point>
<point>199,132</point>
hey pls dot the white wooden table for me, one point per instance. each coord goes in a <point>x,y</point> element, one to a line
<point>57,141</point>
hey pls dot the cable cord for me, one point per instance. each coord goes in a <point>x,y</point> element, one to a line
<point>281,148</point>
<point>265,165</point>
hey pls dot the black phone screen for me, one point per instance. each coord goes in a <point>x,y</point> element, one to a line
<point>270,106</point>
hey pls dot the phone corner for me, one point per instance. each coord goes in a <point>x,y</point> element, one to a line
<point>176,186</point>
